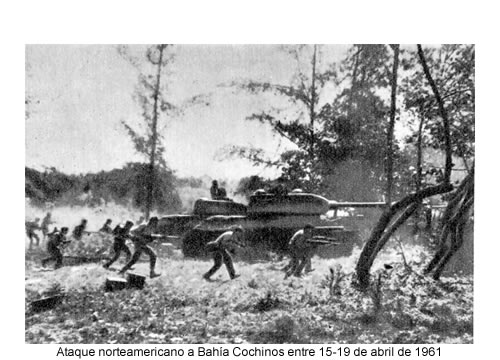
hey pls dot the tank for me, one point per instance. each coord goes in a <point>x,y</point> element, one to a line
<point>269,221</point>
<point>175,226</point>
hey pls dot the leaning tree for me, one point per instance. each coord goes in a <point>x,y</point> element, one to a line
<point>458,209</point>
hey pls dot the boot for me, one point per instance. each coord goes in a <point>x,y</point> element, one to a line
<point>153,274</point>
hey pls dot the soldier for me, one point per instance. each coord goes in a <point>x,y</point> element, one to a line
<point>47,220</point>
<point>221,247</point>
<point>301,252</point>
<point>31,227</point>
<point>214,190</point>
<point>142,236</point>
<point>79,230</point>
<point>56,240</point>
<point>121,235</point>
<point>106,228</point>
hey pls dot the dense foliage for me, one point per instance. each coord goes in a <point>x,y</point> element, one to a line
<point>337,117</point>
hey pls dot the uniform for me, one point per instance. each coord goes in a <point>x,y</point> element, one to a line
<point>121,234</point>
<point>79,230</point>
<point>214,190</point>
<point>53,247</point>
<point>45,224</point>
<point>301,252</point>
<point>220,249</point>
<point>31,227</point>
<point>106,228</point>
<point>142,236</point>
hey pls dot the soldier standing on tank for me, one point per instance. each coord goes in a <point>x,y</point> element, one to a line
<point>31,227</point>
<point>79,230</point>
<point>56,241</point>
<point>214,190</point>
<point>121,233</point>
<point>106,228</point>
<point>221,248</point>
<point>47,220</point>
<point>142,236</point>
<point>301,251</point>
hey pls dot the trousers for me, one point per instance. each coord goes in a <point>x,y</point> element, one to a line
<point>140,248</point>
<point>220,256</point>
<point>55,254</point>
<point>118,247</point>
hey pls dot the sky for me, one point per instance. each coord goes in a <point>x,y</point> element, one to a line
<point>82,93</point>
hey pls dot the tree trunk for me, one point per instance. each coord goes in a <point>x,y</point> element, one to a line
<point>392,120</point>
<point>154,138</point>
<point>312,114</point>
<point>380,234</point>
<point>454,221</point>
<point>376,240</point>
<point>442,112</point>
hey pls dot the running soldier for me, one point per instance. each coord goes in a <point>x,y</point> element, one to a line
<point>47,220</point>
<point>106,228</point>
<point>56,241</point>
<point>221,248</point>
<point>142,236</point>
<point>301,251</point>
<point>79,230</point>
<point>121,233</point>
<point>31,227</point>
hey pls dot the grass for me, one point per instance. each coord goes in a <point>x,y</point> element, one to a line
<point>258,307</point>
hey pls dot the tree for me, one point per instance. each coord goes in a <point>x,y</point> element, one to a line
<point>297,121</point>
<point>401,210</point>
<point>336,123</point>
<point>150,95</point>
<point>453,69</point>
<point>392,119</point>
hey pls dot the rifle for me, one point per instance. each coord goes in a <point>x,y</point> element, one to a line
<point>64,244</point>
<point>146,239</point>
<point>323,240</point>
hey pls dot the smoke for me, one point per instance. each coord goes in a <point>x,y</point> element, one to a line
<point>70,216</point>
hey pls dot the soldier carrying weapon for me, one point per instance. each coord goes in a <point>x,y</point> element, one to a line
<point>106,228</point>
<point>56,242</point>
<point>79,230</point>
<point>302,247</point>
<point>301,252</point>
<point>221,247</point>
<point>121,235</point>
<point>142,236</point>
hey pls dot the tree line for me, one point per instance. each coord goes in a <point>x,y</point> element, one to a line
<point>126,186</point>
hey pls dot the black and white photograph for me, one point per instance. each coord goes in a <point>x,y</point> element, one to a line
<point>249,194</point>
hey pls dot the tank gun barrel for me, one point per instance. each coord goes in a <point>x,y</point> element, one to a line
<point>334,205</point>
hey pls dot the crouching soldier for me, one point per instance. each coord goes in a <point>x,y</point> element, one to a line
<point>79,230</point>
<point>142,236</point>
<point>121,234</point>
<point>106,228</point>
<point>301,251</point>
<point>56,241</point>
<point>221,247</point>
